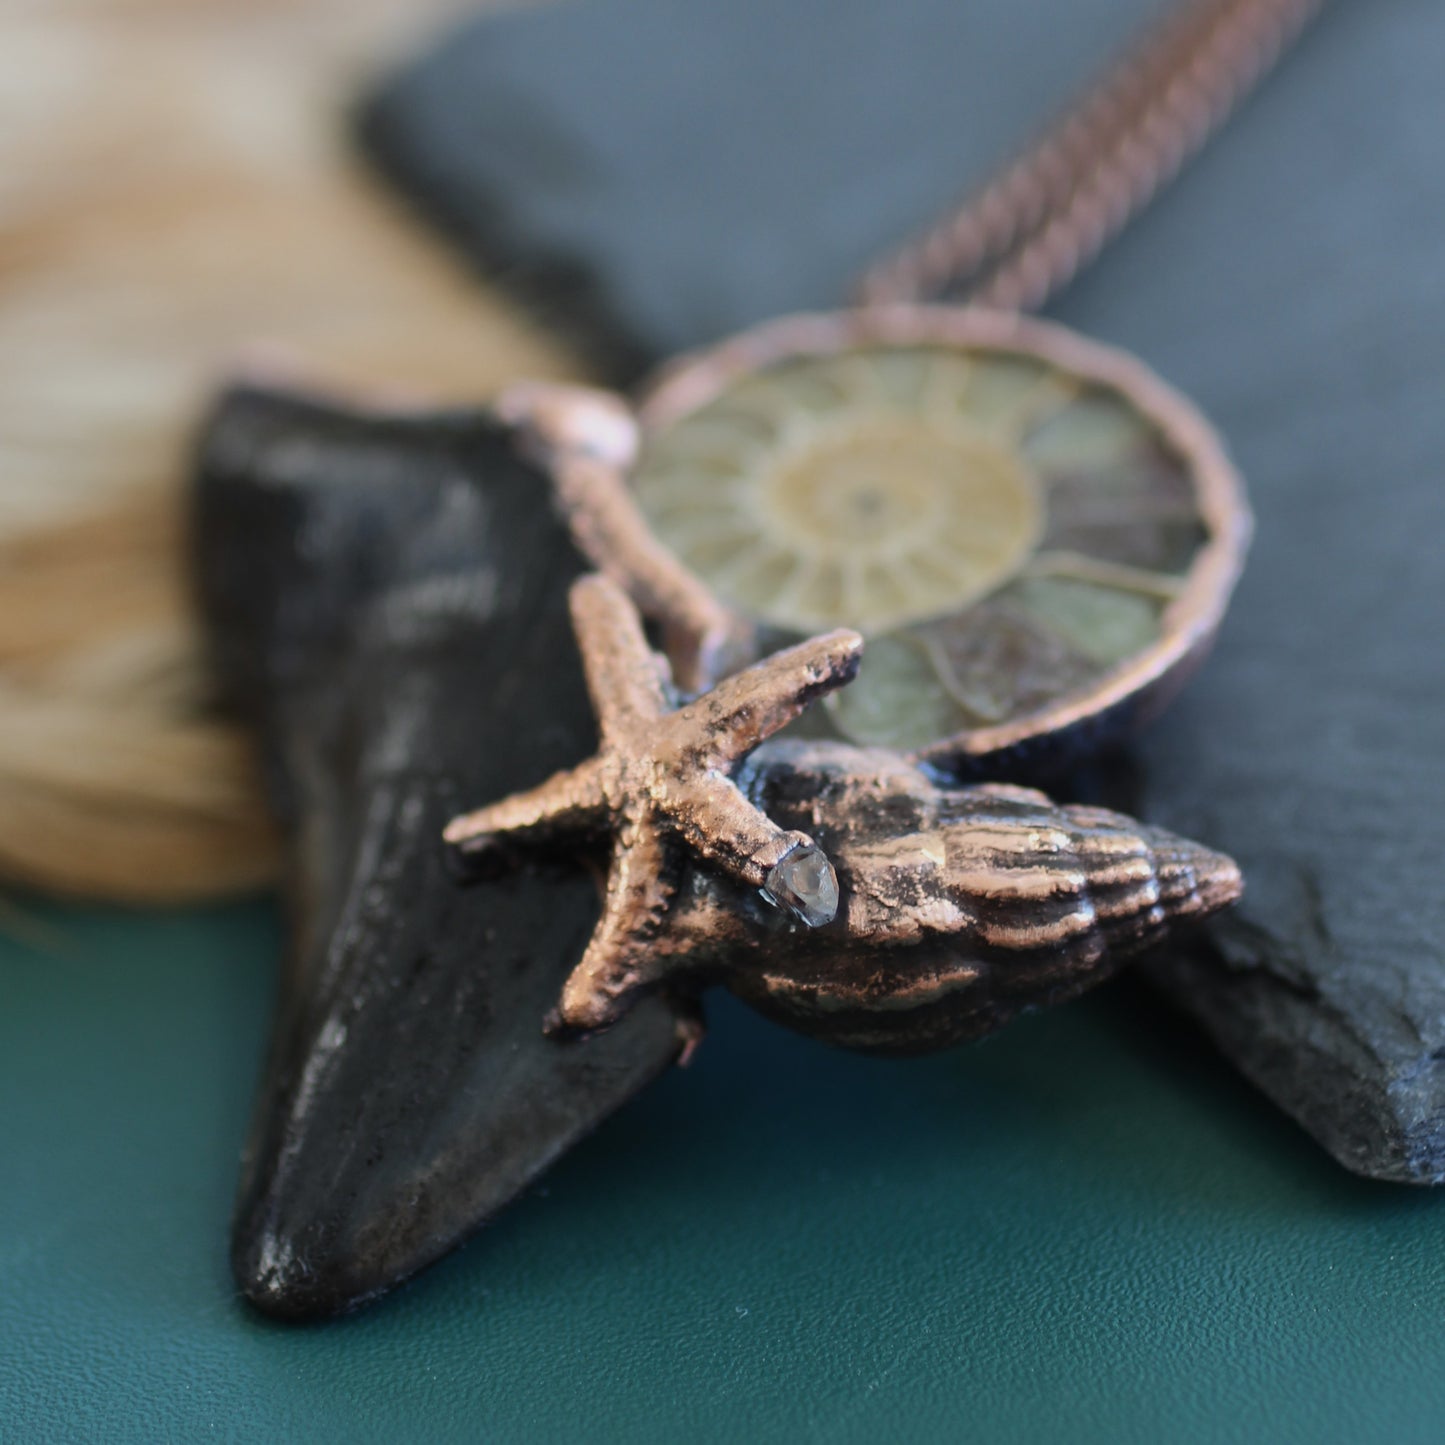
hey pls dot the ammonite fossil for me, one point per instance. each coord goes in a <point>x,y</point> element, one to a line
<point>1032,531</point>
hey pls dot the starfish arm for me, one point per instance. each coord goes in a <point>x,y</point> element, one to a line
<point>720,826</point>
<point>588,440</point>
<point>568,802</point>
<point>743,710</point>
<point>624,675</point>
<point>620,960</point>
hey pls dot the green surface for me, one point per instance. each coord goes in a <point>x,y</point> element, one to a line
<point>1085,1230</point>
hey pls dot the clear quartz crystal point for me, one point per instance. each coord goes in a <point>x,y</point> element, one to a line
<point>804,882</point>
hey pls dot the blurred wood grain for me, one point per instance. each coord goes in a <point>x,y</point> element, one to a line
<point>177,198</point>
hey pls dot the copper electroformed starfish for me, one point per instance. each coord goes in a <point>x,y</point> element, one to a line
<point>660,783</point>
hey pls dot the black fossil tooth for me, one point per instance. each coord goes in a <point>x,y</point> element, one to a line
<point>387,599</point>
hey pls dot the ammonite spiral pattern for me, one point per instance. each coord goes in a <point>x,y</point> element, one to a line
<point>1013,517</point>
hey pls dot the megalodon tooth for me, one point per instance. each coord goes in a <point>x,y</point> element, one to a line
<point>387,602</point>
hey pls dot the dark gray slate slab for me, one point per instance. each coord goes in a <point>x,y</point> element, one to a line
<point>659,173</point>
<point>387,598</point>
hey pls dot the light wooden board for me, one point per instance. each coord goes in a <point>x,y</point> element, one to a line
<point>178,199</point>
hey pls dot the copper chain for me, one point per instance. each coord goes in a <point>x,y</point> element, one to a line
<point>1029,230</point>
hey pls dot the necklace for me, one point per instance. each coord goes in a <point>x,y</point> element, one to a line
<point>1028,540</point>
<point>933,542</point>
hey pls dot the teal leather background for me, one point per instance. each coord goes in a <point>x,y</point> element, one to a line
<point>1084,1230</point>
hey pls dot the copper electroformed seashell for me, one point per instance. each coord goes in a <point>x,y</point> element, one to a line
<point>1036,535</point>
<point>961,906</point>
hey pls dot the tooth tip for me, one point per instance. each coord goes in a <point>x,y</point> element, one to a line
<point>291,1284</point>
